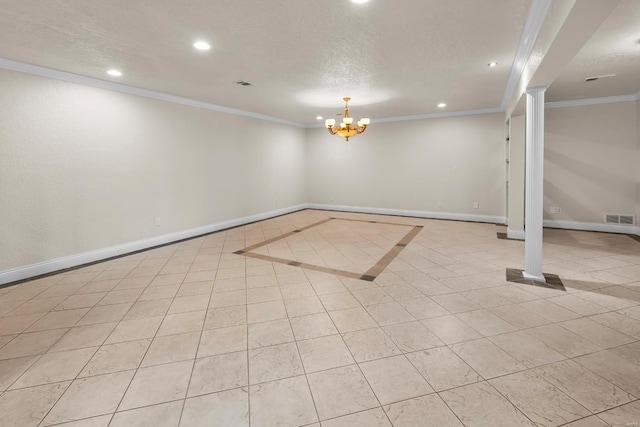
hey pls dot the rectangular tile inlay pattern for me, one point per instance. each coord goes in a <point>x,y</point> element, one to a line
<point>369,275</point>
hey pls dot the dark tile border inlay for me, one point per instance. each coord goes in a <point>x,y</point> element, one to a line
<point>634,237</point>
<point>553,281</point>
<point>370,275</point>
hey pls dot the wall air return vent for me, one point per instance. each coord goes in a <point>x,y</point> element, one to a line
<point>243,83</point>
<point>622,219</point>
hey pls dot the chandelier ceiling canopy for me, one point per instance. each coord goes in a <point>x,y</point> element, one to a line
<point>346,128</point>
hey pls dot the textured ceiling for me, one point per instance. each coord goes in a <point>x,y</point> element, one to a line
<point>394,58</point>
<point>613,49</point>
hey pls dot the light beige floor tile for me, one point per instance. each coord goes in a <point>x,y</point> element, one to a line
<point>266,311</point>
<point>223,340</point>
<point>623,416</point>
<point>88,397</point>
<point>550,311</point>
<point>57,320</point>
<point>11,369</point>
<point>218,373</point>
<point>592,421</point>
<point>187,304</point>
<point>34,306</point>
<point>84,336</point>
<point>591,391</point>
<point>394,379</point>
<point>159,292</point>
<point>99,421</point>
<point>412,336</point>
<point>153,308</point>
<point>312,326</point>
<point>480,405</point>
<point>324,353</point>
<point>270,333</point>
<point>172,348</point>
<point>450,329</point>
<point>304,306</point>
<point>224,317</point>
<point>31,344</point>
<point>227,408</point>
<point>425,411</point>
<point>119,297</point>
<point>195,288</point>
<point>401,292</point>
<point>116,357</point>
<point>389,314</point>
<point>26,407</point>
<point>620,322</point>
<point>163,415</point>
<point>341,391</point>
<point>578,305</point>
<point>352,319</point>
<point>172,324</point>
<point>526,349</point>
<point>266,294</point>
<point>537,399</point>
<point>284,402</point>
<point>597,333</point>
<point>614,369</point>
<point>486,323</point>
<point>519,316</point>
<point>563,341</point>
<point>55,367</point>
<point>228,299</point>
<point>104,314</point>
<point>442,368</point>
<point>328,286</point>
<point>370,344</point>
<point>133,330</point>
<point>339,301</point>
<point>157,384</point>
<point>455,303</point>
<point>631,352</point>
<point>424,308</point>
<point>486,358</point>
<point>80,301</point>
<point>371,296</point>
<point>370,418</point>
<point>274,363</point>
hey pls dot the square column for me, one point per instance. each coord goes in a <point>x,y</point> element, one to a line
<point>534,170</point>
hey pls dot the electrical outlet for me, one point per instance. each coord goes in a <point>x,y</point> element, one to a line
<point>455,168</point>
<point>475,205</point>
<point>439,204</point>
<point>158,222</point>
<point>555,209</point>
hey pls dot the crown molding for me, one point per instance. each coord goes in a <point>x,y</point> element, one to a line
<point>37,70</point>
<point>593,101</point>
<point>537,14</point>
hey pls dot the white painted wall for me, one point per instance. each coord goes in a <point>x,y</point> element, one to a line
<point>515,220</point>
<point>83,168</point>
<point>591,161</point>
<point>412,165</point>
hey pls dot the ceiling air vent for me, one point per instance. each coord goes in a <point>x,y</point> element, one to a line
<point>243,83</point>
<point>594,78</point>
<point>621,219</point>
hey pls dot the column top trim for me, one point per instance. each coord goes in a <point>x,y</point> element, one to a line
<point>536,89</point>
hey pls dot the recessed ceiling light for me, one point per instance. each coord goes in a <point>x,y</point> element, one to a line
<point>442,105</point>
<point>492,64</point>
<point>319,118</point>
<point>359,1</point>
<point>201,45</point>
<point>114,73</point>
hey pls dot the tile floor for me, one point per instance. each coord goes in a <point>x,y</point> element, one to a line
<point>192,334</point>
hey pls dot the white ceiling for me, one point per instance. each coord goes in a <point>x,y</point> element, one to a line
<point>613,49</point>
<point>394,58</point>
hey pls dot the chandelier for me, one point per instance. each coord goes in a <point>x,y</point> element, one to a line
<point>346,128</point>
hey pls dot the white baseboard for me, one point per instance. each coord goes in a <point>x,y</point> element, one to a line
<point>411,213</point>
<point>592,226</point>
<point>515,234</point>
<point>45,267</point>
